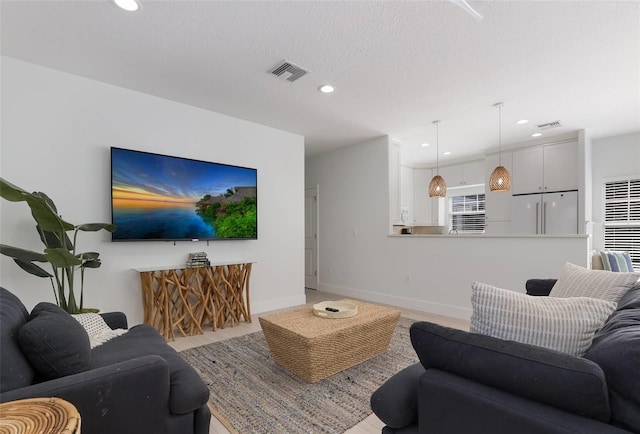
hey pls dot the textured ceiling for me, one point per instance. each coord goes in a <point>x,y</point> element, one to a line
<point>397,65</point>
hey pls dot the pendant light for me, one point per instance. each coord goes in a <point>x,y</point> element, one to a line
<point>437,186</point>
<point>500,179</point>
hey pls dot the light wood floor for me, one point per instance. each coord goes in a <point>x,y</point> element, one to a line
<point>368,426</point>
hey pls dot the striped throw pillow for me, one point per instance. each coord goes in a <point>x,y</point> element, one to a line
<point>617,261</point>
<point>562,324</point>
<point>576,281</point>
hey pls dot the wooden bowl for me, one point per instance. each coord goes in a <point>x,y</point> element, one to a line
<point>344,309</point>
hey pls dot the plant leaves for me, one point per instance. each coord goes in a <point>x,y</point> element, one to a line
<point>94,227</point>
<point>32,268</point>
<point>61,258</point>
<point>52,239</point>
<point>88,256</point>
<point>11,192</point>
<point>93,263</point>
<point>22,254</point>
<point>45,216</point>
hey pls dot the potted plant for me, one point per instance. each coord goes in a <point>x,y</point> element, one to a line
<point>60,251</point>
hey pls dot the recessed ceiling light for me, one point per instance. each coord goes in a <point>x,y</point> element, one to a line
<point>536,134</point>
<point>446,153</point>
<point>522,122</point>
<point>326,88</point>
<point>424,145</point>
<point>127,5</point>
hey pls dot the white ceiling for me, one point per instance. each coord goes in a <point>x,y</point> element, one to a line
<point>397,66</point>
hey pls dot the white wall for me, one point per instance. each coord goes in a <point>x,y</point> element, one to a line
<point>613,157</point>
<point>57,129</point>
<point>431,273</point>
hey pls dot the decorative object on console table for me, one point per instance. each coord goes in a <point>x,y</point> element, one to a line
<point>59,250</point>
<point>198,259</point>
<point>190,298</point>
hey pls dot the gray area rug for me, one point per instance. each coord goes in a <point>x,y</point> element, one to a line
<point>251,394</point>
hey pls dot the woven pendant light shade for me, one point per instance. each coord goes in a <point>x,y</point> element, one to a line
<point>437,187</point>
<point>500,180</point>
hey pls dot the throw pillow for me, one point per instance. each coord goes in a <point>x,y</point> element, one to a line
<point>55,344</point>
<point>561,324</point>
<point>576,281</point>
<point>617,261</point>
<point>97,329</point>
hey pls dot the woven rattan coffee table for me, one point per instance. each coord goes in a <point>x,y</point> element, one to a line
<point>315,348</point>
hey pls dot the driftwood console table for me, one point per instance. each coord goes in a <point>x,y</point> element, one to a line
<point>189,299</point>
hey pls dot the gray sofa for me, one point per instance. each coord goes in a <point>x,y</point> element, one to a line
<point>470,383</point>
<point>132,384</point>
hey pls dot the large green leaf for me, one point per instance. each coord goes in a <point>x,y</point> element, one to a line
<point>45,216</point>
<point>94,227</point>
<point>52,239</point>
<point>11,192</point>
<point>32,268</point>
<point>22,254</point>
<point>47,200</point>
<point>61,258</point>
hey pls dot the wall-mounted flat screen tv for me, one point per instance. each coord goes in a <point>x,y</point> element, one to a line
<point>159,197</point>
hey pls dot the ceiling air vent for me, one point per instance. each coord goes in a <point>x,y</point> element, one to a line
<point>288,71</point>
<point>549,125</point>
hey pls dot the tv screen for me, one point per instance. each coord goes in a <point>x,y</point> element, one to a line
<point>159,197</point>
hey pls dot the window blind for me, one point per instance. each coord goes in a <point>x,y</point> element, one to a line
<point>622,217</point>
<point>466,213</point>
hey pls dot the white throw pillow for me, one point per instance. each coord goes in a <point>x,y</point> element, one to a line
<point>97,329</point>
<point>576,281</point>
<point>561,324</point>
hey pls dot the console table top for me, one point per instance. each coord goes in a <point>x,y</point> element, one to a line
<point>183,267</point>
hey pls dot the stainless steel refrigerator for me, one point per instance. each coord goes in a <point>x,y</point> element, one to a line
<point>546,213</point>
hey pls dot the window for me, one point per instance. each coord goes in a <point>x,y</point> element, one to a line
<point>622,217</point>
<point>466,213</point>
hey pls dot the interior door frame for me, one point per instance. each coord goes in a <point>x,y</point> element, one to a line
<point>316,237</point>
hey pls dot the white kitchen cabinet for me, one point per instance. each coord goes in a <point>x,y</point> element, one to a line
<point>422,203</point>
<point>545,168</point>
<point>464,174</point>
<point>497,205</point>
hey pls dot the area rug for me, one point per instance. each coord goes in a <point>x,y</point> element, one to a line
<point>251,394</point>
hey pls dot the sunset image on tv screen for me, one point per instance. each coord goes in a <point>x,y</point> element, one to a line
<point>158,197</point>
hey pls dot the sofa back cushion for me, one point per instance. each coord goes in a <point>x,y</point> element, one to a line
<point>55,344</point>
<point>616,348</point>
<point>15,371</point>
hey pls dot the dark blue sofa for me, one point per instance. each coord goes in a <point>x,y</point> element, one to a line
<point>132,384</point>
<point>469,383</point>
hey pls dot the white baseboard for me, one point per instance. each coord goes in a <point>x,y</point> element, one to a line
<point>278,303</point>
<point>403,302</point>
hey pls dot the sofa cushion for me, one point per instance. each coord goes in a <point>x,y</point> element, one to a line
<point>616,261</point>
<point>562,324</point>
<point>576,281</point>
<point>15,370</point>
<point>55,344</point>
<point>187,390</point>
<point>570,383</point>
<point>616,348</point>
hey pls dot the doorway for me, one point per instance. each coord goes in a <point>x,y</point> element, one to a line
<point>311,237</point>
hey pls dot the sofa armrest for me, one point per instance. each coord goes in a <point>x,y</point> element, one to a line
<point>539,287</point>
<point>115,320</point>
<point>396,401</point>
<point>450,404</point>
<point>126,398</point>
<point>570,383</point>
